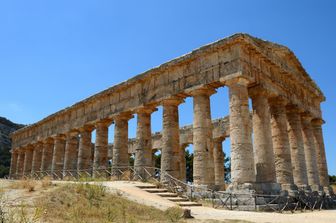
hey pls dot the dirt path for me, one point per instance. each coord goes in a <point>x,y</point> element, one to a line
<point>130,191</point>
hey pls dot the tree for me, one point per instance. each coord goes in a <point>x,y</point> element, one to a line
<point>332,179</point>
<point>189,166</point>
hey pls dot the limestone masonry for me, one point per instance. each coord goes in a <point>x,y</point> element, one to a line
<point>286,151</point>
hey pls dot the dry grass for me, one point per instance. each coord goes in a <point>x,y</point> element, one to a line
<point>46,182</point>
<point>32,185</point>
<point>91,203</point>
<point>82,203</point>
<point>27,184</point>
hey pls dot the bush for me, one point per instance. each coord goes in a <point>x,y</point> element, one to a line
<point>174,214</point>
<point>46,182</point>
<point>25,184</point>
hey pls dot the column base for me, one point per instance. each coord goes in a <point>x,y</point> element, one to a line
<point>316,188</point>
<point>241,188</point>
<point>218,187</point>
<point>290,189</point>
<point>258,188</point>
<point>268,188</point>
<point>305,188</point>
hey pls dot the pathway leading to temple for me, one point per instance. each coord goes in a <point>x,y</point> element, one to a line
<point>131,191</point>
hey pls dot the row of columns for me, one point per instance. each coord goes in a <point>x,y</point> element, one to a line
<point>287,147</point>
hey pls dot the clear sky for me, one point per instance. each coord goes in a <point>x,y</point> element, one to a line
<point>55,53</point>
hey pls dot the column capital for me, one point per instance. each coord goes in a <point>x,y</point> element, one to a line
<point>174,100</point>
<point>29,147</point>
<point>317,122</point>
<point>71,134</point>
<point>47,140</point>
<point>146,110</point>
<point>37,144</point>
<point>278,100</point>
<point>14,151</point>
<point>306,116</point>
<point>103,122</point>
<point>205,90</point>
<point>293,108</point>
<point>86,128</point>
<point>21,150</point>
<point>259,92</point>
<point>125,116</point>
<point>219,140</point>
<point>59,137</point>
<point>241,80</point>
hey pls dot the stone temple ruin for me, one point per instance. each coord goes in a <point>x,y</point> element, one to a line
<point>286,152</point>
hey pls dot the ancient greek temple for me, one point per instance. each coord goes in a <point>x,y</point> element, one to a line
<point>276,146</point>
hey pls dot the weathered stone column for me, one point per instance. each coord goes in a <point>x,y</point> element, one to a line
<point>296,146</point>
<point>37,157</point>
<point>27,166</point>
<point>71,154</point>
<point>310,152</point>
<point>14,159</point>
<point>219,163</point>
<point>183,163</point>
<point>320,151</point>
<point>100,157</point>
<point>283,162</point>
<point>20,163</point>
<point>143,153</point>
<point>170,153</point>
<point>120,148</point>
<point>203,146</point>
<point>262,140</point>
<point>58,156</point>
<point>242,161</point>
<point>47,155</point>
<point>85,150</point>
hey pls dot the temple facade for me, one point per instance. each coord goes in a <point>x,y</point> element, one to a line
<point>286,150</point>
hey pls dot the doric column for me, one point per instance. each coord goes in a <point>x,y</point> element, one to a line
<point>14,159</point>
<point>27,166</point>
<point>183,163</point>
<point>37,157</point>
<point>242,161</point>
<point>283,162</point>
<point>310,151</point>
<point>143,152</point>
<point>120,148</point>
<point>262,137</point>
<point>70,154</point>
<point>219,163</point>
<point>203,166</point>
<point>47,154</point>
<point>85,149</point>
<point>100,157</point>
<point>296,146</point>
<point>320,151</point>
<point>20,163</point>
<point>170,153</point>
<point>58,155</point>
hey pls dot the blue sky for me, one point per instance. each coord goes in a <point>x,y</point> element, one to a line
<point>55,53</point>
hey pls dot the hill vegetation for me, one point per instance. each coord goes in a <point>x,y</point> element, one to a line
<point>6,127</point>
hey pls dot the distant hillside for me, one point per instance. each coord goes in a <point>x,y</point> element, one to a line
<point>6,127</point>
